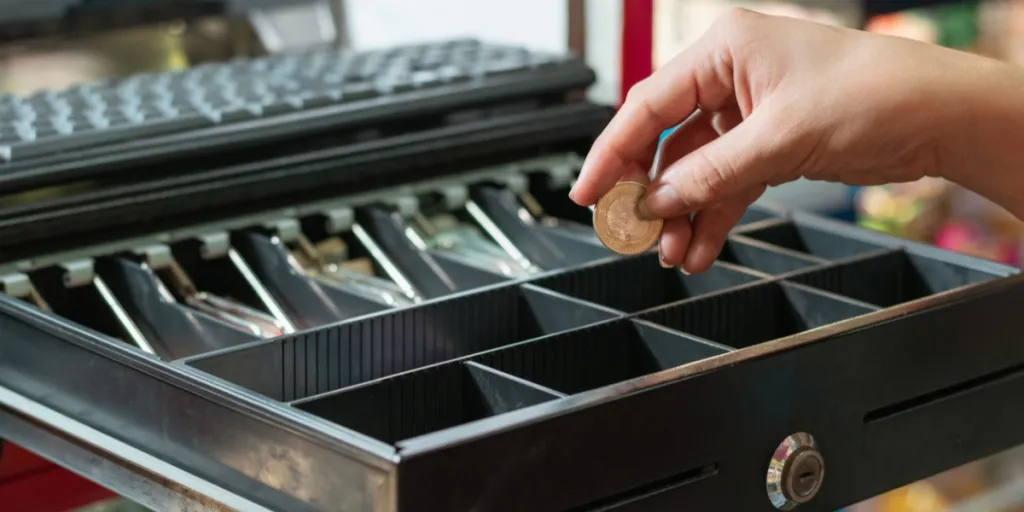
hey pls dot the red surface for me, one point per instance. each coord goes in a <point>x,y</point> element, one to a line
<point>29,483</point>
<point>637,42</point>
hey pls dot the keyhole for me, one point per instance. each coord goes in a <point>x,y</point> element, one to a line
<point>807,477</point>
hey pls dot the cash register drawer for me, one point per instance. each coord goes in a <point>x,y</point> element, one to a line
<point>456,338</point>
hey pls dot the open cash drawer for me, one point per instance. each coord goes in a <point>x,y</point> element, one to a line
<point>461,341</point>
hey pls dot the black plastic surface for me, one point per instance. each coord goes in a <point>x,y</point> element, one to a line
<point>173,330</point>
<point>299,366</point>
<point>425,401</point>
<point>200,110</point>
<point>635,284</point>
<point>540,246</point>
<point>307,302</point>
<point>891,278</point>
<point>811,241</point>
<point>763,258</point>
<point>570,331</point>
<point>756,314</point>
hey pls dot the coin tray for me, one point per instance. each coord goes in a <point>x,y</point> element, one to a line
<point>377,346</point>
<point>399,374</point>
<point>483,365</point>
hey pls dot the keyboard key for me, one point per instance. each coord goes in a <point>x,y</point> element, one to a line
<point>241,90</point>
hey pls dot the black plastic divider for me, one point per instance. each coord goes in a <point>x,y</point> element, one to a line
<point>757,313</point>
<point>173,330</point>
<point>599,355</point>
<point>469,277</point>
<point>421,268</point>
<point>808,240</point>
<point>556,201</point>
<point>639,282</point>
<point>426,400</point>
<point>757,213</point>
<point>307,302</point>
<point>354,352</point>
<point>755,255</point>
<point>81,305</point>
<point>533,240</point>
<point>890,278</point>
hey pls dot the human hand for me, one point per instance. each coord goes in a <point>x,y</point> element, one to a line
<point>767,100</point>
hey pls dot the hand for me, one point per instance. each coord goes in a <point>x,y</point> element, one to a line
<point>765,100</point>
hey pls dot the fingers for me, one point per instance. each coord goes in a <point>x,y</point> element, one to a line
<point>711,226</point>
<point>726,119</point>
<point>675,239</point>
<point>636,174</point>
<point>745,157</point>
<point>703,73</point>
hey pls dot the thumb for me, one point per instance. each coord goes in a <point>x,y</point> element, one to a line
<point>747,156</point>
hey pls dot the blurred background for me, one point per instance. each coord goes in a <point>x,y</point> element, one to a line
<point>623,41</point>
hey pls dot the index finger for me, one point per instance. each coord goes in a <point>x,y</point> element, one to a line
<point>700,76</point>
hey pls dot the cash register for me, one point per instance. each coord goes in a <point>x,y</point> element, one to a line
<point>318,278</point>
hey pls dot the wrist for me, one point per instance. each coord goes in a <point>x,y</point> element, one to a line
<point>984,135</point>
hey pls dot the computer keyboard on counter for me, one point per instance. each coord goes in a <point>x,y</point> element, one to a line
<point>253,99</point>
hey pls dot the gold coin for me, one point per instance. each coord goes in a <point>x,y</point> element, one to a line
<point>619,226</point>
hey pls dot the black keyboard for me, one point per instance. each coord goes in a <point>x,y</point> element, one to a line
<point>252,99</point>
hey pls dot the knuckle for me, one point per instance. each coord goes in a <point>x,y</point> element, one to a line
<point>640,101</point>
<point>713,179</point>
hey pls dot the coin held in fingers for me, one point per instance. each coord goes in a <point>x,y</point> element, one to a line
<point>618,224</point>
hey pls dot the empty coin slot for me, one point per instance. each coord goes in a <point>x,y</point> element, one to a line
<point>365,349</point>
<point>348,258</point>
<point>453,223</point>
<point>234,302</point>
<point>306,301</point>
<point>764,258</point>
<point>755,314</point>
<point>638,283</point>
<point>549,188</point>
<point>173,328</point>
<point>546,244</point>
<point>425,401</point>
<point>598,356</point>
<point>216,267</point>
<point>891,279</point>
<point>433,273</point>
<point>75,292</point>
<point>807,240</point>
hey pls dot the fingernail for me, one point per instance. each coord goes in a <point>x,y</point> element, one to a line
<point>683,270</point>
<point>661,260</point>
<point>661,198</point>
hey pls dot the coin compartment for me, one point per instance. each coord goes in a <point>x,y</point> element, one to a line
<point>755,255</point>
<point>427,400</point>
<point>306,301</point>
<point>756,313</point>
<point>597,356</point>
<point>539,243</point>
<point>171,329</point>
<point>375,346</point>
<point>809,240</point>
<point>639,282</point>
<point>890,278</point>
<point>433,273</point>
